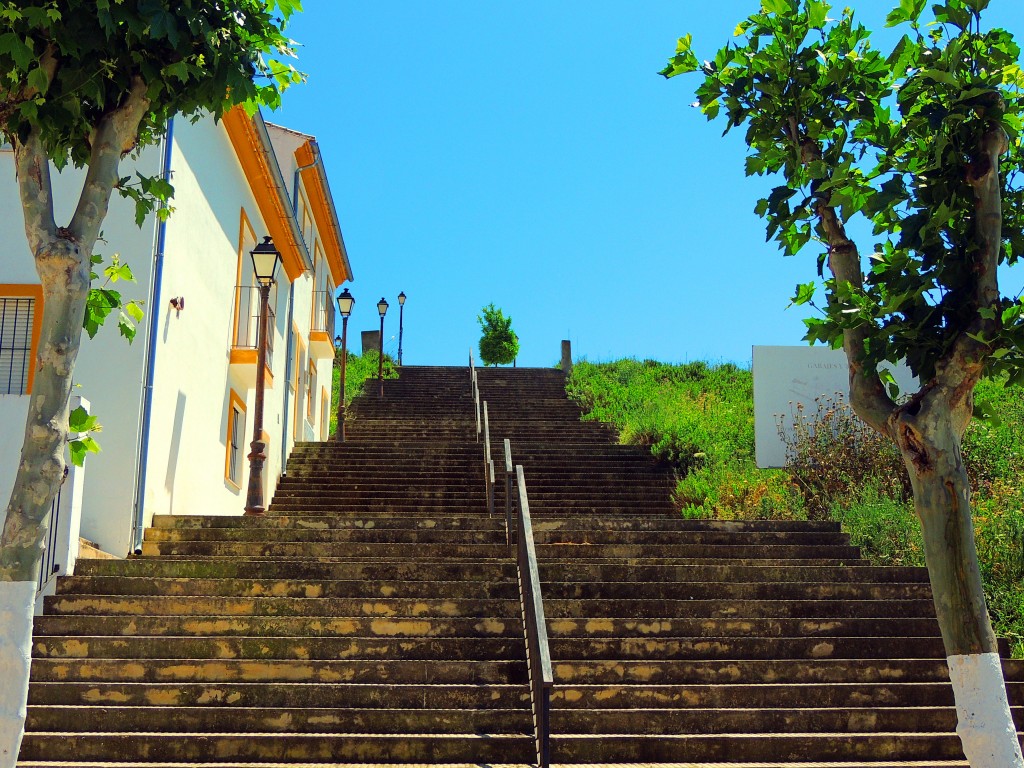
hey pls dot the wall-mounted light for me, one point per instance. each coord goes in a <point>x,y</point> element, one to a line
<point>178,302</point>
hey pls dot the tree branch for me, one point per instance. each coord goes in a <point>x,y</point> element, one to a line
<point>34,188</point>
<point>867,393</point>
<point>114,135</point>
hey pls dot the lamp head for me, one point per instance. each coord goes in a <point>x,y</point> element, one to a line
<point>382,307</point>
<point>345,303</point>
<point>264,261</point>
<point>401,299</point>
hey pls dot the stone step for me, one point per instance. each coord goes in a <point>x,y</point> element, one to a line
<point>764,609</point>
<point>651,590</point>
<point>669,649</point>
<point>233,719</point>
<point>484,522</point>
<point>654,722</point>
<point>495,533</point>
<point>496,549</point>
<point>322,523</point>
<point>770,696</point>
<point>369,569</point>
<point>381,672</point>
<point>260,536</point>
<point>891,748</point>
<point>814,571</point>
<point>751,671</point>
<point>247,695</point>
<point>310,588</point>
<point>507,648</point>
<point>278,549</point>
<point>277,626</point>
<point>263,747</point>
<point>131,605</point>
<point>692,629</point>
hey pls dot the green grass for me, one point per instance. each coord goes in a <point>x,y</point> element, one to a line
<point>697,417</point>
<point>358,369</point>
<point>700,419</point>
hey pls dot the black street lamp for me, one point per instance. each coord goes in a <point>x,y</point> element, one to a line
<point>382,308</point>
<point>345,304</point>
<point>264,264</point>
<point>401,314</point>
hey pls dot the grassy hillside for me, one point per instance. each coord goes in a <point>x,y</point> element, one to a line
<point>700,418</point>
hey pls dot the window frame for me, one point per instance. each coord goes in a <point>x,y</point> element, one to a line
<point>236,408</point>
<point>34,293</point>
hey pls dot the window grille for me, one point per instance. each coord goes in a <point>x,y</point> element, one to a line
<point>17,318</point>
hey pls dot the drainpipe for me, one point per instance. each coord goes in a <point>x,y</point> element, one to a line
<point>290,362</point>
<point>146,415</point>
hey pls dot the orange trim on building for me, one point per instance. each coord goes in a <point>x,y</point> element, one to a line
<point>30,291</point>
<point>251,155</point>
<point>319,204</point>
<point>248,356</point>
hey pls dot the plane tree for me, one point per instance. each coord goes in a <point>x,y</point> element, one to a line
<point>86,83</point>
<point>922,143</point>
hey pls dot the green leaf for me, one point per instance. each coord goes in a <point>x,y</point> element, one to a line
<point>804,293</point>
<point>39,80</point>
<point>80,448</point>
<point>134,310</point>
<point>79,420</point>
<point>817,12</point>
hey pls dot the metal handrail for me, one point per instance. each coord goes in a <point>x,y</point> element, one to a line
<point>538,654</point>
<point>474,390</point>
<point>538,657</point>
<point>508,493</point>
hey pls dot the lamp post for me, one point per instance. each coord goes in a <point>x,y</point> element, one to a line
<point>401,315</point>
<point>382,308</point>
<point>264,264</point>
<point>345,304</point>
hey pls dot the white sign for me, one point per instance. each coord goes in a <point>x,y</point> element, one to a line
<point>787,376</point>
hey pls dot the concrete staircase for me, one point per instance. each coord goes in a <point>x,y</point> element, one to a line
<point>373,617</point>
<point>714,643</point>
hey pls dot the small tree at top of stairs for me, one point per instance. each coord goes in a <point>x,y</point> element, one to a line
<point>87,82</point>
<point>499,344</point>
<point>925,143</point>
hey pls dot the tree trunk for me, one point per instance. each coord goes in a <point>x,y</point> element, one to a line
<point>64,272</point>
<point>930,444</point>
<point>63,258</point>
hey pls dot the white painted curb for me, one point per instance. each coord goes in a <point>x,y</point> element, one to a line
<point>17,604</point>
<point>984,724</point>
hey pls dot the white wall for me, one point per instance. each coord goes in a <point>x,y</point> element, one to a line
<point>785,377</point>
<point>192,377</point>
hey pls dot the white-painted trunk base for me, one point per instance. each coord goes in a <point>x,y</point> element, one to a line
<point>17,601</point>
<point>984,724</point>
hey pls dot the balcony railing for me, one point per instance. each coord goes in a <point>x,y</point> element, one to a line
<point>323,313</point>
<point>247,329</point>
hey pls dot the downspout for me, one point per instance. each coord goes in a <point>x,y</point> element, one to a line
<point>290,352</point>
<point>150,360</point>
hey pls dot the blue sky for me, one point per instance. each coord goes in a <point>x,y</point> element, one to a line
<point>528,154</point>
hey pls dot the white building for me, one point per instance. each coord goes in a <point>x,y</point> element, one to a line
<point>175,405</point>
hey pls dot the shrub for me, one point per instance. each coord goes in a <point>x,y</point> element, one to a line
<point>830,452</point>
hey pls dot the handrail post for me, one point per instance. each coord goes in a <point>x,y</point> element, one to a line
<point>488,464</point>
<point>508,493</point>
